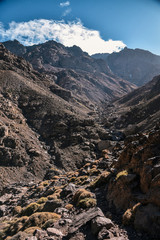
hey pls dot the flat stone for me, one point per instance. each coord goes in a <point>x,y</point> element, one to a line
<point>54,232</point>
<point>82,218</point>
<point>32,238</point>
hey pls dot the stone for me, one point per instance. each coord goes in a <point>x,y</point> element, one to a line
<point>9,142</point>
<point>78,236</point>
<point>61,211</point>
<point>2,210</point>
<point>70,189</point>
<point>104,234</point>
<point>32,238</point>
<point>147,219</point>
<point>20,236</point>
<point>3,131</point>
<point>99,222</point>
<point>84,217</point>
<point>40,234</point>
<point>104,144</point>
<point>54,232</point>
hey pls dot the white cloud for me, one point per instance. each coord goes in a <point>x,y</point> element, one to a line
<point>69,34</point>
<point>66,12</point>
<point>65,4</point>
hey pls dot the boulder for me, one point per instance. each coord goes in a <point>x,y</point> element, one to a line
<point>70,189</point>
<point>84,217</point>
<point>147,219</point>
<point>99,222</point>
<point>104,144</point>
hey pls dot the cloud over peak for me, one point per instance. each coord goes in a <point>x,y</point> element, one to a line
<point>69,34</point>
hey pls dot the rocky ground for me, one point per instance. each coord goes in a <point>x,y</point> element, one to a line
<point>107,198</point>
<point>66,175</point>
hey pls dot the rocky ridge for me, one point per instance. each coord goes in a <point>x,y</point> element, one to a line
<point>89,80</point>
<point>137,111</point>
<point>135,65</point>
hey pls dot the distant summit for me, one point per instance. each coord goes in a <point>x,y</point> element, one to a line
<point>136,66</point>
<point>89,80</point>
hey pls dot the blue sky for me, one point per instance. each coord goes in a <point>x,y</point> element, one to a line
<point>94,25</point>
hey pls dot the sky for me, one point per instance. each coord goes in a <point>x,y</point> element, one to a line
<point>97,26</point>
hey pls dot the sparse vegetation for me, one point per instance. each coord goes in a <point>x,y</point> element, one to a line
<point>38,219</point>
<point>122,173</point>
<point>17,225</point>
<point>81,194</point>
<point>129,215</point>
<point>69,207</point>
<point>31,208</point>
<point>87,203</point>
<point>79,180</point>
<point>101,179</point>
<point>42,200</point>
<point>17,210</point>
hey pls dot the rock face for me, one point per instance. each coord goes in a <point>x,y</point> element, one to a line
<point>137,66</point>
<point>89,80</point>
<point>135,188</point>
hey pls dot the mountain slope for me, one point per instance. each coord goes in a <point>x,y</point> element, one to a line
<point>44,129</point>
<point>138,110</point>
<point>89,80</point>
<point>136,66</point>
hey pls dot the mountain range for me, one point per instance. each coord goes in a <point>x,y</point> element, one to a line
<point>89,80</point>
<point>79,145</point>
<point>136,66</point>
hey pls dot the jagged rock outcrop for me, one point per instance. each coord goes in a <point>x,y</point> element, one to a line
<point>135,187</point>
